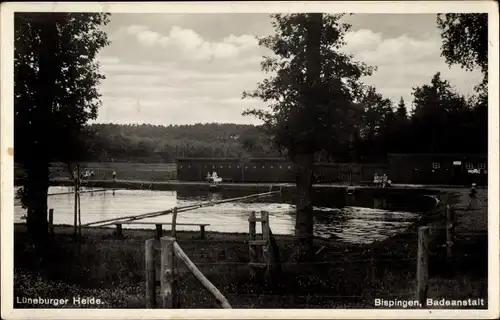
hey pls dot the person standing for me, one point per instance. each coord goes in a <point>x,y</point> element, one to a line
<point>114,175</point>
<point>472,197</point>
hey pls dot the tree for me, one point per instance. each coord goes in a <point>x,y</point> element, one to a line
<point>465,42</point>
<point>438,122</point>
<point>376,121</point>
<point>465,39</point>
<point>311,98</point>
<point>55,94</point>
<point>401,112</point>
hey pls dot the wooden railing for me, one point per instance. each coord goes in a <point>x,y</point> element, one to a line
<point>169,250</point>
<point>159,227</point>
<point>175,210</point>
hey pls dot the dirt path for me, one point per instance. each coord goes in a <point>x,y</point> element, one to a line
<point>474,219</point>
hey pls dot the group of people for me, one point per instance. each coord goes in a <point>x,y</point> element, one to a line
<point>90,174</point>
<point>213,178</point>
<point>381,180</point>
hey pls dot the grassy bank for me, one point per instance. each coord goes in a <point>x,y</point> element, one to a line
<point>124,170</point>
<point>343,275</point>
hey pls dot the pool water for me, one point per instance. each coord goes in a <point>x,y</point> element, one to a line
<point>362,218</point>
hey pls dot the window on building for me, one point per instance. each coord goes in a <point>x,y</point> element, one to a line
<point>436,165</point>
<point>469,166</point>
<point>482,166</point>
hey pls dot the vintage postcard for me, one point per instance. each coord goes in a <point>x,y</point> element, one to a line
<point>295,159</point>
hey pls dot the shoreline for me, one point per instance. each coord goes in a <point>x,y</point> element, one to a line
<point>172,185</point>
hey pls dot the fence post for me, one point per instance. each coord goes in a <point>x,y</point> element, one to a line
<point>450,228</point>
<point>150,274</point>
<point>265,235</point>
<point>174,222</point>
<point>159,231</point>
<point>202,232</point>
<point>422,264</point>
<point>252,236</point>
<point>119,231</point>
<point>167,280</point>
<point>51,221</point>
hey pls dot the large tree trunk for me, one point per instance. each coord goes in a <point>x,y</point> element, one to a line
<point>40,140</point>
<point>37,185</point>
<point>304,157</point>
<point>304,216</point>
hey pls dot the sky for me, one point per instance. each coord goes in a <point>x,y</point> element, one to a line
<point>192,68</point>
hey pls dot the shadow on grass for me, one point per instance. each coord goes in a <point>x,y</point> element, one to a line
<point>114,271</point>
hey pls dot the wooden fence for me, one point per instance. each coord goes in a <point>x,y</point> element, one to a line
<point>169,250</point>
<point>269,256</point>
<point>423,253</point>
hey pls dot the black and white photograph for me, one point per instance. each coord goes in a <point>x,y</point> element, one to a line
<point>339,159</point>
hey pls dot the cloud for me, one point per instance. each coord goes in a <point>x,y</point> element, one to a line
<point>404,62</point>
<point>190,44</point>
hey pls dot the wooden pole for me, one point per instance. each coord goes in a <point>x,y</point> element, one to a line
<point>168,289</point>
<point>79,216</point>
<point>150,274</point>
<point>119,231</point>
<point>199,275</point>
<point>77,179</point>
<point>450,228</point>
<point>265,235</point>
<point>422,264</point>
<point>51,221</point>
<point>112,221</point>
<point>252,236</point>
<point>274,268</point>
<point>159,231</point>
<point>202,231</point>
<point>174,222</point>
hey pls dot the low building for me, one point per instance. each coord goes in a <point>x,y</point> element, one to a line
<point>455,169</point>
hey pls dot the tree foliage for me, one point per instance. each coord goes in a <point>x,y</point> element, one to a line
<point>296,124</point>
<point>465,39</point>
<point>150,143</point>
<point>55,94</point>
<point>465,43</point>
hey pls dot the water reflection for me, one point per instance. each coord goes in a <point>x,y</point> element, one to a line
<point>363,218</point>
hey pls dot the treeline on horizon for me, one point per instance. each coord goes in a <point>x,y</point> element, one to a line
<point>441,121</point>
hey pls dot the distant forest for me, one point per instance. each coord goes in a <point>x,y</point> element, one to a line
<point>154,143</point>
<point>444,123</point>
